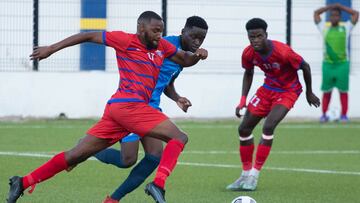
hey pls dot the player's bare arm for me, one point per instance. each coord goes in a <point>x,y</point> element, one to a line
<point>45,51</point>
<point>247,81</point>
<point>354,14</point>
<point>183,102</point>
<point>187,58</point>
<point>310,96</point>
<point>321,10</point>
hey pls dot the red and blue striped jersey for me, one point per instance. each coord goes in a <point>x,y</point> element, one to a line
<point>279,66</point>
<point>138,66</point>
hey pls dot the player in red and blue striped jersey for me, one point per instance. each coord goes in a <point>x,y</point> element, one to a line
<point>192,36</point>
<point>273,100</point>
<point>139,58</point>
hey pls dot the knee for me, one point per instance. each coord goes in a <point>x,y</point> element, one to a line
<point>268,128</point>
<point>128,160</point>
<point>182,137</point>
<point>244,131</point>
<point>155,152</point>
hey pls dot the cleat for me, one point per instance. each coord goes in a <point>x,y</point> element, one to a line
<point>250,183</point>
<point>237,185</point>
<point>157,193</point>
<point>344,119</point>
<point>16,189</point>
<point>110,200</point>
<point>324,119</point>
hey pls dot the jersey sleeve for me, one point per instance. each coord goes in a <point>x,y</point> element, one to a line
<point>294,59</point>
<point>169,49</point>
<point>116,39</point>
<point>321,26</point>
<point>246,59</point>
<point>348,26</point>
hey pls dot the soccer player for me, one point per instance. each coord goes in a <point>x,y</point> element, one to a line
<point>139,57</point>
<point>272,100</point>
<point>335,66</point>
<point>191,38</point>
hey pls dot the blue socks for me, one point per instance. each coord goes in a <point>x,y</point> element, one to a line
<point>137,176</point>
<point>110,156</point>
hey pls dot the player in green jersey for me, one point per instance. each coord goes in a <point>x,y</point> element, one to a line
<point>335,66</point>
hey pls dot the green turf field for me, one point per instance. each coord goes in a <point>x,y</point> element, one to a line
<point>309,162</point>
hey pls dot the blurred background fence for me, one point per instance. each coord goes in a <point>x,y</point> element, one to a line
<point>226,38</point>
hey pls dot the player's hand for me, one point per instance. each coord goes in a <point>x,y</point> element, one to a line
<point>201,53</point>
<point>241,105</point>
<point>312,99</point>
<point>41,53</point>
<point>336,5</point>
<point>183,103</point>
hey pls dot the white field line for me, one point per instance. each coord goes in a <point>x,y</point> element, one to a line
<point>37,155</point>
<point>197,126</point>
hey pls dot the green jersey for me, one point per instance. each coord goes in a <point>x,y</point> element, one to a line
<point>336,41</point>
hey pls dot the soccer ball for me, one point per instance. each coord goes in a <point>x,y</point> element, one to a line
<point>243,199</point>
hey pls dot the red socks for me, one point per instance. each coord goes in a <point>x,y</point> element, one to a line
<point>262,153</point>
<point>344,103</point>
<point>344,100</point>
<point>46,171</point>
<point>168,161</point>
<point>246,156</point>
<point>325,102</point>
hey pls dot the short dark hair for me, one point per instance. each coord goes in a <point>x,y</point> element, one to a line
<point>336,9</point>
<point>197,22</point>
<point>256,23</point>
<point>148,15</point>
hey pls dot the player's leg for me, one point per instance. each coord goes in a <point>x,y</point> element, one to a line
<point>124,158</point>
<point>176,140</point>
<point>83,150</point>
<point>328,83</point>
<point>153,150</point>
<point>144,120</point>
<point>325,106</point>
<point>342,84</point>
<point>277,113</point>
<point>102,135</point>
<point>246,148</point>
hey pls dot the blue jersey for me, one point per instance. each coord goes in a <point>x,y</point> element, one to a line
<point>168,71</point>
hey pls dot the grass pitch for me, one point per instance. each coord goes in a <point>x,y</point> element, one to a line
<point>309,162</point>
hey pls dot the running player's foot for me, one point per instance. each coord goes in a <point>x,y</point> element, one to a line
<point>157,193</point>
<point>110,200</point>
<point>16,189</point>
<point>344,119</point>
<point>237,185</point>
<point>250,183</point>
<point>324,118</point>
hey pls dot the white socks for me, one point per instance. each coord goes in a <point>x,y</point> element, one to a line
<point>254,172</point>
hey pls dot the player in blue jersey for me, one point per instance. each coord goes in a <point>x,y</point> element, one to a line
<point>191,38</point>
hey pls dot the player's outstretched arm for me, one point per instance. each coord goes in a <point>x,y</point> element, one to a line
<point>45,51</point>
<point>247,81</point>
<point>183,102</point>
<point>321,10</point>
<point>310,96</point>
<point>187,58</point>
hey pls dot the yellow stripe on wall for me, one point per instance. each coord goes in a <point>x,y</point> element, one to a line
<point>93,24</point>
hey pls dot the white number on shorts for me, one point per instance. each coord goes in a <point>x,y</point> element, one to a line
<point>254,100</point>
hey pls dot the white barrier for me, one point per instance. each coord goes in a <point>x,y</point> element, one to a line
<point>84,94</point>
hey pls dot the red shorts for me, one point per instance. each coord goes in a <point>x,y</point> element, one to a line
<point>264,100</point>
<point>120,119</point>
